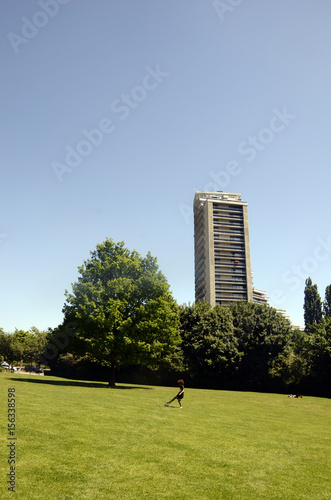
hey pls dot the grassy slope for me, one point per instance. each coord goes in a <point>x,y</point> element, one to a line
<point>82,440</point>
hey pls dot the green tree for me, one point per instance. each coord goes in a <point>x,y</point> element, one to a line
<point>316,350</point>
<point>263,334</point>
<point>312,305</point>
<point>122,309</point>
<point>2,344</point>
<point>32,343</point>
<point>327,302</point>
<point>208,342</point>
<point>28,343</point>
<point>291,366</point>
<point>10,347</point>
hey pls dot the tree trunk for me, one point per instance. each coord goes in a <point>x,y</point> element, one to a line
<point>112,375</point>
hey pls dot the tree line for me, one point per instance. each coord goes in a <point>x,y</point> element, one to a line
<point>22,345</point>
<point>121,321</point>
<point>253,347</point>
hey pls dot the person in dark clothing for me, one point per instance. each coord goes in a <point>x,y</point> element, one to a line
<point>180,395</point>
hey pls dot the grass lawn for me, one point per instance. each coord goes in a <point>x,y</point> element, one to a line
<point>82,440</point>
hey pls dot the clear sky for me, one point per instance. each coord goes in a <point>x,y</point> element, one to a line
<point>113,113</point>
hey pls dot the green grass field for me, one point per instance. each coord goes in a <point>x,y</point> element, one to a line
<point>82,440</point>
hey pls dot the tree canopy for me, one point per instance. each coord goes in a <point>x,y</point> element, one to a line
<point>317,351</point>
<point>262,333</point>
<point>208,342</point>
<point>312,305</point>
<point>327,302</point>
<point>122,308</point>
<point>22,345</point>
<point>245,345</point>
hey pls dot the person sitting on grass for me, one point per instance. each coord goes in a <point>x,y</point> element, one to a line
<point>180,395</point>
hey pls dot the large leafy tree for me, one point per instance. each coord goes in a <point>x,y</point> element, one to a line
<point>121,309</point>
<point>312,305</point>
<point>10,347</point>
<point>317,351</point>
<point>28,342</point>
<point>263,334</point>
<point>291,365</point>
<point>208,342</point>
<point>327,302</point>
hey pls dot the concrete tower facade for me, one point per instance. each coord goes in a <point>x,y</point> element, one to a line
<point>221,247</point>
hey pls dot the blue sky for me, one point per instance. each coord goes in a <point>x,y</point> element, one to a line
<point>114,113</point>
